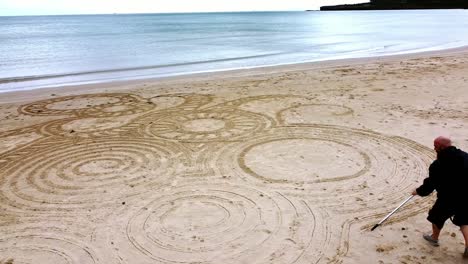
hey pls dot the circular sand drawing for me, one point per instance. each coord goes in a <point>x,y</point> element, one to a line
<point>181,102</point>
<point>189,178</point>
<point>67,176</point>
<point>167,101</point>
<point>86,127</point>
<point>128,107</point>
<point>312,113</point>
<point>32,248</point>
<point>191,224</point>
<point>208,126</point>
<point>332,161</point>
<point>81,102</point>
<point>94,105</point>
<point>304,160</point>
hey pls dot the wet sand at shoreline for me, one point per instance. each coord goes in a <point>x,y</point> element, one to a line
<point>290,164</point>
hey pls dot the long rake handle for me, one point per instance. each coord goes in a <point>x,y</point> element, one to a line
<point>392,212</point>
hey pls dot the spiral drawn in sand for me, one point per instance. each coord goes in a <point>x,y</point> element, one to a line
<point>93,105</point>
<point>43,248</point>
<point>63,175</point>
<point>207,126</point>
<point>223,224</point>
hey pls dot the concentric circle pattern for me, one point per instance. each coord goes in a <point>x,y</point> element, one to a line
<point>311,113</point>
<point>192,178</point>
<point>304,160</point>
<point>86,127</point>
<point>95,105</point>
<point>208,126</point>
<point>42,248</point>
<point>192,224</point>
<point>329,162</point>
<point>72,175</point>
<point>186,102</point>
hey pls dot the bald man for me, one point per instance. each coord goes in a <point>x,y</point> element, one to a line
<point>448,175</point>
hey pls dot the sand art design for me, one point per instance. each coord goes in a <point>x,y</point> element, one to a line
<point>92,105</point>
<point>68,176</point>
<point>266,105</point>
<point>76,127</point>
<point>94,115</point>
<point>206,126</point>
<point>211,182</point>
<point>244,102</point>
<point>43,248</point>
<point>19,131</point>
<point>222,223</point>
<point>315,157</point>
<point>346,168</point>
<point>310,113</point>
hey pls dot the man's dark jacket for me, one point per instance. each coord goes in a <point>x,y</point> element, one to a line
<point>448,175</point>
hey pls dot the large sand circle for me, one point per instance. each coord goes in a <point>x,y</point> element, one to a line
<point>303,159</point>
<point>69,176</point>
<point>44,248</point>
<point>327,162</point>
<point>89,127</point>
<point>94,105</point>
<point>191,224</point>
<point>207,126</point>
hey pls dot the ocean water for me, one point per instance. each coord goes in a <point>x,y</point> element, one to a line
<point>44,51</point>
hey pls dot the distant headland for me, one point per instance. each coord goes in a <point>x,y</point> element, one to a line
<point>401,4</point>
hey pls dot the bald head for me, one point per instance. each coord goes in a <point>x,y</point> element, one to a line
<point>441,143</point>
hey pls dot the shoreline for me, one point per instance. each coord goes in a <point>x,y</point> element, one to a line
<point>29,94</point>
<point>29,78</point>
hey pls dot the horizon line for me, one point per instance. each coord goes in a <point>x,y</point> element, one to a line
<point>162,13</point>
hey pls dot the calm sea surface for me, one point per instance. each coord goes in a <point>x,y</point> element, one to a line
<point>46,51</point>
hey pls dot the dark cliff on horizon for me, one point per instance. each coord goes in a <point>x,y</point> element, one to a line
<point>401,4</point>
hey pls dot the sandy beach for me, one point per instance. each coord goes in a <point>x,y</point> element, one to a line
<point>288,164</point>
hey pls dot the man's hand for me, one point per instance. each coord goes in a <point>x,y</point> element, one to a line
<point>414,192</point>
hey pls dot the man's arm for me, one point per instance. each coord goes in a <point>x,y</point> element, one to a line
<point>428,185</point>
